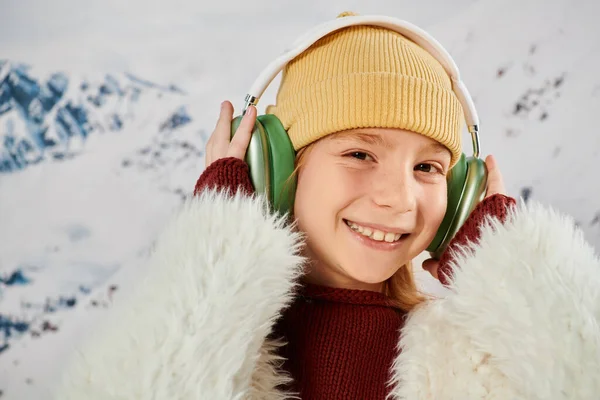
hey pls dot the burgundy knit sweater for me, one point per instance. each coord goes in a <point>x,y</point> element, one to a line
<point>341,343</point>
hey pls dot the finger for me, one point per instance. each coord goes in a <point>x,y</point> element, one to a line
<point>241,139</point>
<point>495,183</point>
<point>208,153</point>
<point>220,137</point>
<point>431,265</point>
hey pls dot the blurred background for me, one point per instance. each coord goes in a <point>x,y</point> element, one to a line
<point>105,107</point>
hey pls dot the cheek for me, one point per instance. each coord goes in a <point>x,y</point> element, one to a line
<point>305,204</point>
<point>434,207</point>
<point>322,192</point>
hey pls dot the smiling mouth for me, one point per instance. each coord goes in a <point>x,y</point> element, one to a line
<point>376,234</point>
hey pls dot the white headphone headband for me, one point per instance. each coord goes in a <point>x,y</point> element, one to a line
<point>412,32</point>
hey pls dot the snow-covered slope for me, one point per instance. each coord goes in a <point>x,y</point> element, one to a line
<point>90,170</point>
<point>105,109</point>
<point>51,118</point>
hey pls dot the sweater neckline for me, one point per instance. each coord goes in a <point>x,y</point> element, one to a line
<point>343,295</point>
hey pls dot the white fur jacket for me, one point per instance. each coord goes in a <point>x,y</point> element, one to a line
<point>522,320</point>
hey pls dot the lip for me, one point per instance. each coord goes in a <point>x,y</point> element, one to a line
<point>374,244</point>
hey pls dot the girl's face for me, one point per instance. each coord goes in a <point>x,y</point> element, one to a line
<point>369,200</point>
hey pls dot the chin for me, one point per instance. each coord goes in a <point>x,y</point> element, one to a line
<point>370,273</point>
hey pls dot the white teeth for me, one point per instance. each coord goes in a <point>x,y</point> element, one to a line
<point>378,235</point>
<point>375,234</point>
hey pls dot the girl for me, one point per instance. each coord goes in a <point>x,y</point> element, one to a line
<point>239,304</point>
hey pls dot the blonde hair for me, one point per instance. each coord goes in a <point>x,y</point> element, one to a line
<point>401,287</point>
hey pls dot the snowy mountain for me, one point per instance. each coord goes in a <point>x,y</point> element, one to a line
<point>80,158</point>
<point>51,117</point>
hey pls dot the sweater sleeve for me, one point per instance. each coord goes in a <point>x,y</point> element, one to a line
<point>496,206</point>
<point>226,173</point>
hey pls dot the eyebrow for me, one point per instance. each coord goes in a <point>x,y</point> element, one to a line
<point>437,148</point>
<point>367,138</point>
<point>378,140</point>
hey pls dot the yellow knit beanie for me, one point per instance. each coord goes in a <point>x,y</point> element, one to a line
<point>367,77</point>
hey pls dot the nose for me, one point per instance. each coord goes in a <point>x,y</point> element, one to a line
<point>394,190</point>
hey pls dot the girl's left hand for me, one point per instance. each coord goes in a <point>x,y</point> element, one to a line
<point>495,185</point>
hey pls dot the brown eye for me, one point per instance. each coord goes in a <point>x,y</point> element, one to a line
<point>429,168</point>
<point>359,155</point>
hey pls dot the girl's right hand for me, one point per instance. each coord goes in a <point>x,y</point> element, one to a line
<point>219,144</point>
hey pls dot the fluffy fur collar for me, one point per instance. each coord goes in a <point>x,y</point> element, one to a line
<point>521,321</point>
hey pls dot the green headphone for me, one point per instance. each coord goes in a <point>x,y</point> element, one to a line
<point>271,155</point>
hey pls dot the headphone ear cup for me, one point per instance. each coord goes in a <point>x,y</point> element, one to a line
<point>271,158</point>
<point>282,160</point>
<point>257,158</point>
<point>466,188</point>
